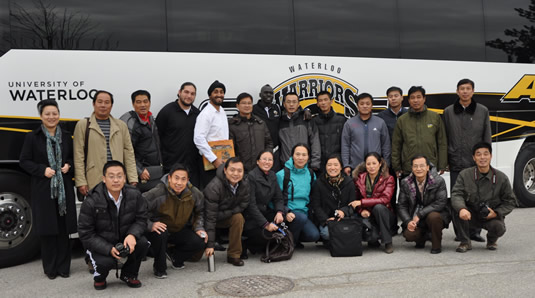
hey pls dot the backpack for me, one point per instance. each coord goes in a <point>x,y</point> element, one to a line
<point>280,245</point>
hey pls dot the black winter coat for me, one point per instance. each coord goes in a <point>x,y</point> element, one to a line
<point>272,121</point>
<point>220,203</point>
<point>99,226</point>
<point>330,128</point>
<point>250,137</point>
<point>34,160</point>
<point>325,199</point>
<point>264,190</point>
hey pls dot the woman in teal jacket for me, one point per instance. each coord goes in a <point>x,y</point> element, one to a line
<point>295,181</point>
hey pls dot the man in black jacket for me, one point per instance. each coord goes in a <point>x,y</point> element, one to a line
<point>330,125</point>
<point>270,112</point>
<point>226,197</point>
<point>145,140</point>
<point>114,213</point>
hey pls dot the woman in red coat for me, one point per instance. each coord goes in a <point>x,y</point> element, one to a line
<point>374,188</point>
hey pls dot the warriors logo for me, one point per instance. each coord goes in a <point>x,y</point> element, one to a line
<point>523,90</point>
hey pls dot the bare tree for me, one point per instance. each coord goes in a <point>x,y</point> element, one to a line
<point>522,47</point>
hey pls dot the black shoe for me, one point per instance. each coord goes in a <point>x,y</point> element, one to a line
<point>160,274</point>
<point>374,244</point>
<point>299,245</point>
<point>51,275</point>
<point>235,261</point>
<point>64,275</point>
<point>100,285</point>
<point>178,266</point>
<point>132,282</point>
<point>457,239</point>
<point>219,247</point>
<point>244,255</point>
<point>420,244</point>
<point>435,251</point>
<point>477,238</point>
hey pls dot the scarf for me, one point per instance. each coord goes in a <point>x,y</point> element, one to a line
<point>334,181</point>
<point>53,151</point>
<point>370,186</point>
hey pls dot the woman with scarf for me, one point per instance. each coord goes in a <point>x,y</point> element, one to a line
<point>375,187</point>
<point>331,195</point>
<point>47,156</point>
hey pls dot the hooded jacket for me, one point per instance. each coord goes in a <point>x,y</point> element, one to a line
<point>220,203</point>
<point>325,198</point>
<point>382,190</point>
<point>165,205</point>
<point>330,128</point>
<point>300,185</point>
<point>296,130</point>
<point>419,133</point>
<point>465,127</point>
<point>434,198</point>
<point>250,136</point>
<point>99,225</point>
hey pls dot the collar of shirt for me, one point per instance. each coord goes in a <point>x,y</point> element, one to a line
<point>118,202</point>
<point>234,188</point>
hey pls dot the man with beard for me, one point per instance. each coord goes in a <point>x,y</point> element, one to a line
<point>211,125</point>
<point>176,123</point>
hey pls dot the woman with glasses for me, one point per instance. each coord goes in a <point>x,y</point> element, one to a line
<point>331,195</point>
<point>266,206</point>
<point>375,187</point>
<point>47,156</point>
<point>296,180</point>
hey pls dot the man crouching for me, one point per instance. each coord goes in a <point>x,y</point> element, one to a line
<point>111,224</point>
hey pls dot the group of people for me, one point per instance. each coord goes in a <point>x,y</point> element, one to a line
<point>146,190</point>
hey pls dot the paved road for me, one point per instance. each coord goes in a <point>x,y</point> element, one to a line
<point>507,272</point>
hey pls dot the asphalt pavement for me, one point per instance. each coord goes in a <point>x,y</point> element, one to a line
<point>312,272</point>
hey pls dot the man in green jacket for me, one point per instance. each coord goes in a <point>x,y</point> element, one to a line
<point>420,131</point>
<point>481,198</point>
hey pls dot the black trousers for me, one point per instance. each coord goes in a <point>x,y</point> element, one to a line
<point>104,263</point>
<point>255,241</point>
<point>495,227</point>
<point>206,177</point>
<point>473,230</point>
<point>56,250</point>
<point>186,241</point>
<point>383,221</point>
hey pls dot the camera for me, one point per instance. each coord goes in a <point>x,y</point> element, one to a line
<point>124,251</point>
<point>483,210</point>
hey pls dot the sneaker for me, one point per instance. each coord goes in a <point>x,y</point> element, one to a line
<point>492,245</point>
<point>100,285</point>
<point>464,247</point>
<point>132,282</point>
<point>389,248</point>
<point>160,274</point>
<point>178,266</point>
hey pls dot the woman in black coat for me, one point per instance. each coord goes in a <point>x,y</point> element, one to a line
<point>266,206</point>
<point>47,156</point>
<point>331,194</point>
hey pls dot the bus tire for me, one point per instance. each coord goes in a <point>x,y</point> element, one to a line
<point>18,241</point>
<point>524,183</point>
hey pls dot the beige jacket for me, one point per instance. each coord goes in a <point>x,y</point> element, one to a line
<point>120,146</point>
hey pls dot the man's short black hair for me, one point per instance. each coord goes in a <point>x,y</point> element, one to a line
<point>113,163</point>
<point>242,96</point>
<point>188,84</point>
<point>138,93</point>
<point>416,89</point>
<point>418,156</point>
<point>364,95</point>
<point>393,89</point>
<point>232,160</point>
<point>324,92</point>
<point>103,91</point>
<point>47,102</point>
<point>178,167</point>
<point>481,145</point>
<point>289,93</point>
<point>465,81</point>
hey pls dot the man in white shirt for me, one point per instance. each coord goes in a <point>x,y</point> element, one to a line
<point>211,125</point>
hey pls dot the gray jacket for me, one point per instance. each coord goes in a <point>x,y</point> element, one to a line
<point>465,127</point>
<point>355,139</point>
<point>296,130</point>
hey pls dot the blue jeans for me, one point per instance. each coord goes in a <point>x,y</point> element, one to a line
<point>303,229</point>
<point>324,232</point>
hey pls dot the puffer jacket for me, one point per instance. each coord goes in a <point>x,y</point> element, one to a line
<point>296,130</point>
<point>330,128</point>
<point>325,198</point>
<point>494,189</point>
<point>435,198</point>
<point>99,225</point>
<point>145,140</point>
<point>250,136</point>
<point>419,133</point>
<point>265,200</point>
<point>465,128</point>
<point>157,196</point>
<point>300,185</point>
<point>221,203</point>
<point>382,191</point>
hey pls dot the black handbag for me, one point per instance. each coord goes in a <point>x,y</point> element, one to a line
<point>155,172</point>
<point>345,237</point>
